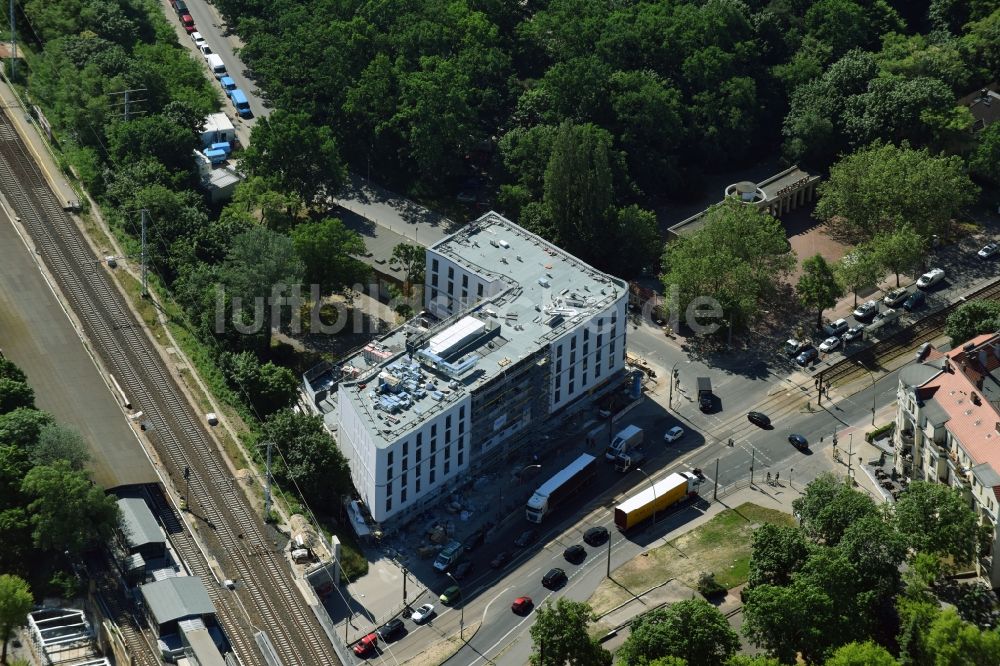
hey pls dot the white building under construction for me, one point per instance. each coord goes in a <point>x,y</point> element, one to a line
<point>515,330</point>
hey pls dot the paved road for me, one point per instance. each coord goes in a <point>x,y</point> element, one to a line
<point>37,335</point>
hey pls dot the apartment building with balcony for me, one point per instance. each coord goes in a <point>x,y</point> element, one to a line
<point>514,331</point>
<point>948,429</point>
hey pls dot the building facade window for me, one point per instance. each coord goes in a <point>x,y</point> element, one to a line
<point>479,290</point>
<point>418,486</point>
<point>388,504</point>
<point>460,457</point>
<point>451,273</point>
<point>465,282</point>
<point>433,472</point>
<point>447,467</point>
<point>434,265</point>
<point>402,496</point>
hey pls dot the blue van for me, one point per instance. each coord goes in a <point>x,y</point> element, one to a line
<point>228,84</point>
<point>241,104</point>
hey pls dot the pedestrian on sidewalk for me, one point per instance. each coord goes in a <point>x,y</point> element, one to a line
<point>768,478</point>
<point>777,475</point>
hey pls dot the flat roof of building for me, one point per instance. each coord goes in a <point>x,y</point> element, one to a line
<point>175,598</point>
<point>548,292</point>
<point>138,522</point>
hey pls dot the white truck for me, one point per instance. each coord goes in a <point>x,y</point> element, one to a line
<point>448,556</point>
<point>563,485</point>
<point>627,439</point>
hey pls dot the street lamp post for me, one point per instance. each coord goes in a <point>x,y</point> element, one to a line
<point>651,485</point>
<point>872,375</point>
<point>461,622</point>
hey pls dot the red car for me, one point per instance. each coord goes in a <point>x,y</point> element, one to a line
<point>521,605</point>
<point>366,645</point>
<point>188,23</point>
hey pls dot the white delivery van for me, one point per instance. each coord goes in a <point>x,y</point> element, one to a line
<point>215,64</point>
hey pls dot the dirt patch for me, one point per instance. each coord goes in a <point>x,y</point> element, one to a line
<point>720,546</point>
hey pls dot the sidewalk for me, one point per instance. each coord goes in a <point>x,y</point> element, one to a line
<point>40,150</point>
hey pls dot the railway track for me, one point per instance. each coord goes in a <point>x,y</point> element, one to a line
<point>902,342</point>
<point>270,602</point>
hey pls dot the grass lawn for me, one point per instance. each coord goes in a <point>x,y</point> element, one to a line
<point>721,546</point>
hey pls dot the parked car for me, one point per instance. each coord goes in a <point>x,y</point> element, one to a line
<point>475,540</point>
<point>502,558</point>
<point>366,645</point>
<point>197,38</point>
<point>854,333</point>
<point>795,347</point>
<point>526,538</point>
<point>462,570</point>
<point>205,49</point>
<point>522,605</point>
<point>575,553</point>
<point>390,629</point>
<point>930,278</point>
<point>807,356</point>
<point>554,578</point>
<point>896,296</point>
<point>673,434</point>
<point>886,317</point>
<point>798,441</point>
<point>916,300</point>
<point>451,595</point>
<point>188,23</point>
<point>179,6</point>
<point>829,344</point>
<point>759,419</point>
<point>596,536</point>
<point>866,310</point>
<point>988,250</point>
<point>836,327</point>
<point>423,613</point>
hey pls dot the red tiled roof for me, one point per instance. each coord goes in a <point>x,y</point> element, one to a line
<point>955,390</point>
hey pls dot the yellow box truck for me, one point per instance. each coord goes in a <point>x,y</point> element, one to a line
<point>661,496</point>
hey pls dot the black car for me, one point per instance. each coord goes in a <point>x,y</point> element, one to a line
<point>916,300</point>
<point>595,536</point>
<point>526,538</point>
<point>807,356</point>
<point>475,540</point>
<point>575,554</point>
<point>759,419</point>
<point>502,558</point>
<point>180,7</point>
<point>798,441</point>
<point>554,578</point>
<point>462,570</point>
<point>390,629</point>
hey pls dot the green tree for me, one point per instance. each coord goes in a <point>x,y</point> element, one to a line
<point>935,519</point>
<point>296,155</point>
<point>693,630</point>
<point>8,370</point>
<point>412,259</point>
<point>777,552</point>
<point>158,135</point>
<point>818,286</point>
<point>67,511</point>
<point>828,508</point>
<point>952,641</point>
<point>327,249</point>
<point>257,197</point>
<point>14,395</point>
<point>16,601</point>
<point>872,190</point>
<point>899,250</point>
<point>984,163</point>
<point>560,635</point>
<point>60,443</point>
<point>264,386</point>
<point>785,620</point>
<point>876,550</point>
<point>22,426</point>
<point>858,271</point>
<point>972,319</point>
<point>861,654</point>
<point>739,257</point>
<point>309,459</point>
<point>261,268</point>
<point>579,190</point>
<point>756,660</point>
<point>915,619</point>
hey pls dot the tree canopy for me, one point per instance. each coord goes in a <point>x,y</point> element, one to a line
<point>560,635</point>
<point>738,257</point>
<point>935,519</point>
<point>693,630</point>
<point>818,287</point>
<point>972,319</point>
<point>16,601</point>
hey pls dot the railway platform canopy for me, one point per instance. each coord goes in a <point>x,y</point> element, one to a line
<point>173,599</point>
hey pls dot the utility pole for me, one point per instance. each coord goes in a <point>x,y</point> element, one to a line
<point>267,485</point>
<point>404,587</point>
<point>850,450</point>
<point>187,488</point>
<point>753,458</point>
<point>128,100</point>
<point>715,491</point>
<point>145,286</point>
<point>609,555</point>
